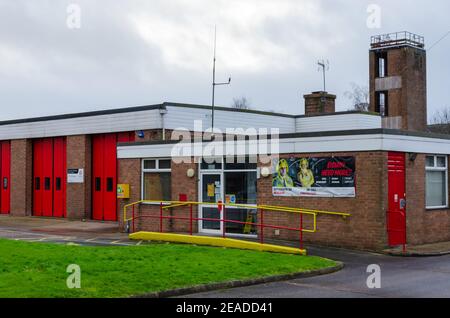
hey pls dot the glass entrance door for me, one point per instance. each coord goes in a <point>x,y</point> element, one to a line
<point>212,192</point>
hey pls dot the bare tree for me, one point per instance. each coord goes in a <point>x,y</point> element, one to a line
<point>359,95</point>
<point>241,103</point>
<point>440,123</point>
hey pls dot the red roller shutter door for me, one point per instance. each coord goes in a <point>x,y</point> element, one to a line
<point>59,177</point>
<point>104,171</point>
<point>37,177</point>
<point>47,174</point>
<point>5,175</point>
<point>49,177</point>
<point>97,176</point>
<point>110,178</point>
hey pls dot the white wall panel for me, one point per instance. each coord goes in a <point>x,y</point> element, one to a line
<point>337,123</point>
<point>83,125</point>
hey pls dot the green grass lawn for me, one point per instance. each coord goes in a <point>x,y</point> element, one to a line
<point>39,270</point>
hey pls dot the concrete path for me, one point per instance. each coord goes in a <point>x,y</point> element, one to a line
<point>400,277</point>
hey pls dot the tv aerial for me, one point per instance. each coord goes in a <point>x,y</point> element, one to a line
<point>324,66</point>
<point>214,83</point>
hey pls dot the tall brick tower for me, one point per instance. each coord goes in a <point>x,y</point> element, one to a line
<point>398,82</point>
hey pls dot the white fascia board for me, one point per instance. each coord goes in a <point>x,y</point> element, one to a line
<point>149,119</point>
<point>348,143</point>
<point>416,144</point>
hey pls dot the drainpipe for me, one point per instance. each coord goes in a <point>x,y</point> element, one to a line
<point>162,112</point>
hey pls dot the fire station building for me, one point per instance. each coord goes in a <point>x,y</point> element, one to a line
<point>383,167</point>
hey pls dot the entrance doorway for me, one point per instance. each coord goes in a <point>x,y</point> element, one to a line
<point>396,215</point>
<point>235,185</point>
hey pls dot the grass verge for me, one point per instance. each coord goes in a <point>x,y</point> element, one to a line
<point>39,269</point>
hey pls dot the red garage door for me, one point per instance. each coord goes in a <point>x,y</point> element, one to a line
<point>104,174</point>
<point>5,174</point>
<point>49,177</point>
<point>396,216</point>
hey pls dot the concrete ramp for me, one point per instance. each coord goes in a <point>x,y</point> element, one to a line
<point>214,241</point>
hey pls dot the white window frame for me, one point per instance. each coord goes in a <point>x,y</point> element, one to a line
<point>221,172</point>
<point>440,169</point>
<point>155,170</point>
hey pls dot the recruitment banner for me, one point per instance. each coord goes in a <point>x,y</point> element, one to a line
<point>314,177</point>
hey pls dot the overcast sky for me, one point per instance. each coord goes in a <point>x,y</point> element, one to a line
<point>129,53</point>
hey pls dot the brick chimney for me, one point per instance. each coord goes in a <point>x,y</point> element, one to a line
<point>319,103</point>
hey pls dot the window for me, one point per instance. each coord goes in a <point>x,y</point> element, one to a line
<point>156,179</point>
<point>98,184</point>
<point>58,184</point>
<point>47,183</point>
<point>382,103</point>
<point>381,70</point>
<point>110,184</point>
<point>436,182</point>
<point>211,164</point>
<point>242,185</point>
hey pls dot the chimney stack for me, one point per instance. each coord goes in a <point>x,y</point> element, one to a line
<point>319,103</point>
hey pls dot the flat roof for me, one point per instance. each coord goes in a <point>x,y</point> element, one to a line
<point>164,105</point>
<point>381,131</point>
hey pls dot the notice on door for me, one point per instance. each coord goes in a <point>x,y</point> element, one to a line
<point>75,175</point>
<point>211,190</point>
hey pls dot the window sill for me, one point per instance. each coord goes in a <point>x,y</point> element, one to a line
<point>431,209</point>
<point>154,203</point>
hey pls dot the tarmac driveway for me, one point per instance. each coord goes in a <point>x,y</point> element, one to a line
<point>63,231</point>
<point>400,277</point>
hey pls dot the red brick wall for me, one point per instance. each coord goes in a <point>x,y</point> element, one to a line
<point>409,101</point>
<point>79,198</point>
<point>365,229</point>
<point>423,226</point>
<point>21,177</point>
<point>130,173</point>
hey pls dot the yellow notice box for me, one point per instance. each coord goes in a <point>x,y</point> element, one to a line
<point>123,191</point>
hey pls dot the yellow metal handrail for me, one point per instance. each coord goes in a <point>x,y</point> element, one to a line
<point>173,204</point>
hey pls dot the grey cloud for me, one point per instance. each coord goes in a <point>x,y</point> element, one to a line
<point>109,63</point>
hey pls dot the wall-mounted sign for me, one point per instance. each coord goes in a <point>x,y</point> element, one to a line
<point>123,191</point>
<point>314,177</point>
<point>75,175</point>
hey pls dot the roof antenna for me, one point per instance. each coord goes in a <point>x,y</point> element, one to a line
<point>324,66</point>
<point>214,84</point>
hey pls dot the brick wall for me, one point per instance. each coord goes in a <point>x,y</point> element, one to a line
<point>365,229</point>
<point>79,198</point>
<point>409,101</point>
<point>423,226</point>
<point>21,177</point>
<point>319,103</point>
<point>130,173</point>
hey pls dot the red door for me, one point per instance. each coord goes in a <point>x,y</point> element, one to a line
<point>47,173</point>
<point>5,175</point>
<point>97,176</point>
<point>396,215</point>
<point>49,177</point>
<point>59,177</point>
<point>104,172</point>
<point>110,178</point>
<point>37,177</point>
